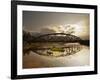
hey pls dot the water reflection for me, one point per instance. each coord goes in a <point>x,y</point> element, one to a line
<point>54,50</point>
<point>60,50</point>
<point>68,55</point>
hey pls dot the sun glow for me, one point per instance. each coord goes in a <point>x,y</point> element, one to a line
<point>78,29</point>
<point>68,29</point>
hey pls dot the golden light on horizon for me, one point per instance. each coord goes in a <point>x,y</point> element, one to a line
<point>79,29</point>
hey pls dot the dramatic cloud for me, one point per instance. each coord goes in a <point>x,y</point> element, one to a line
<point>48,22</point>
<point>47,30</point>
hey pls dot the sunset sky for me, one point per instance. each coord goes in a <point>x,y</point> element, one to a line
<point>51,22</point>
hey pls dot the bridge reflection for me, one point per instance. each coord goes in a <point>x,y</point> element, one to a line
<point>58,51</point>
<point>56,44</point>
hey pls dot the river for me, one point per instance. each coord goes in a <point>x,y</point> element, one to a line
<point>80,58</point>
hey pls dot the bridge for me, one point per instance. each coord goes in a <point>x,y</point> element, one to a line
<point>56,37</point>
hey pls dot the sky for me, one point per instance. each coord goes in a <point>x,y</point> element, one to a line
<point>51,22</point>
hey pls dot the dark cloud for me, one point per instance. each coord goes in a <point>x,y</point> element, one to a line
<point>46,30</point>
<point>37,21</point>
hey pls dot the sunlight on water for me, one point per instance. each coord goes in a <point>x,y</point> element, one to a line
<point>34,60</point>
<point>57,51</point>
